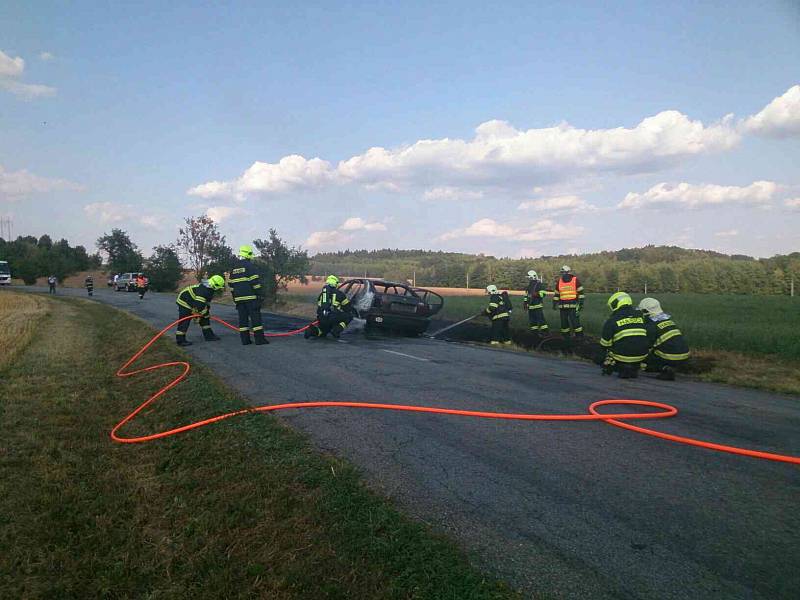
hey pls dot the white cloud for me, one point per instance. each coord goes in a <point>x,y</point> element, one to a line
<point>222,213</point>
<point>342,234</point>
<point>692,196</point>
<point>11,67</point>
<point>19,184</point>
<point>10,70</point>
<point>727,233</point>
<point>450,193</point>
<point>498,156</point>
<point>357,224</point>
<point>290,173</point>
<point>110,213</point>
<point>545,230</point>
<point>780,118</point>
<point>560,204</point>
<point>320,239</point>
<point>46,56</point>
<point>792,203</point>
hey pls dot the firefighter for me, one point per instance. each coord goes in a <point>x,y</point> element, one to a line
<point>568,298</point>
<point>51,281</point>
<point>142,284</point>
<point>668,347</point>
<point>248,295</point>
<point>89,284</point>
<point>624,338</point>
<point>195,300</point>
<point>534,295</point>
<point>499,311</point>
<point>334,311</point>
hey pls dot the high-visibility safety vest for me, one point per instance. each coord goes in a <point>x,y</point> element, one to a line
<point>567,290</point>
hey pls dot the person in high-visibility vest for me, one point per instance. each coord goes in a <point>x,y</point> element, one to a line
<point>568,299</point>
<point>624,338</point>
<point>142,284</point>
<point>195,300</point>
<point>248,296</point>
<point>499,311</point>
<point>534,294</point>
<point>668,348</point>
<point>89,283</point>
<point>334,311</point>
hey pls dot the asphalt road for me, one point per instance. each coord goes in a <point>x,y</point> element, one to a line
<point>560,510</point>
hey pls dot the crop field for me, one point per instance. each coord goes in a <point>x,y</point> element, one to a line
<point>746,324</point>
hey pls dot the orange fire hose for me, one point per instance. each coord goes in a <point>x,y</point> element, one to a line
<point>617,420</point>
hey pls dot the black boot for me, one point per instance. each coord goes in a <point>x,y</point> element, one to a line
<point>210,336</point>
<point>260,339</point>
<point>245,336</point>
<point>182,341</point>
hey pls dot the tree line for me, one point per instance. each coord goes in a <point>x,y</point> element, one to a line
<point>653,269</point>
<point>30,258</point>
<point>200,248</point>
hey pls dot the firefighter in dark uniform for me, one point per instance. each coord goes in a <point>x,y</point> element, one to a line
<point>568,298</point>
<point>248,295</point>
<point>499,311</point>
<point>89,283</point>
<point>624,338</point>
<point>334,311</point>
<point>195,300</point>
<point>668,347</point>
<point>534,295</point>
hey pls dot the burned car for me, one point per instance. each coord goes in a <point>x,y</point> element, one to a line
<point>393,306</point>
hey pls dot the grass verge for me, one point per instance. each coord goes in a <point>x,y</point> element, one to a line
<point>244,508</point>
<point>19,316</point>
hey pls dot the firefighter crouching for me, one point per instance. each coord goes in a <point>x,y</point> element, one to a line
<point>499,311</point>
<point>248,295</point>
<point>334,311</point>
<point>534,295</point>
<point>568,298</point>
<point>195,300</point>
<point>624,338</point>
<point>89,284</point>
<point>668,347</point>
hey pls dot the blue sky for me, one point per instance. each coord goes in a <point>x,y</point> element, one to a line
<point>550,127</point>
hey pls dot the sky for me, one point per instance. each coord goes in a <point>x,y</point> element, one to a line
<point>514,129</point>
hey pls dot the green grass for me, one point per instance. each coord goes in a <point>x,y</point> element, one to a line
<point>762,325</point>
<point>244,508</point>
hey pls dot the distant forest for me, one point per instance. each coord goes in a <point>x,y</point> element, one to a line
<point>652,268</point>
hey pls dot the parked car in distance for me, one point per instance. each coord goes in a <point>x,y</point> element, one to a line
<point>5,273</point>
<point>392,306</point>
<point>126,282</point>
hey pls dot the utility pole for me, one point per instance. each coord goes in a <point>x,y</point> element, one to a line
<point>414,278</point>
<point>791,288</point>
<point>467,278</point>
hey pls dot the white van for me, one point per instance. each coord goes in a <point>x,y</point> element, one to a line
<point>5,273</point>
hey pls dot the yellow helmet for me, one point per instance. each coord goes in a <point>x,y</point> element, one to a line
<point>246,251</point>
<point>618,300</point>
<point>216,282</point>
<point>332,280</point>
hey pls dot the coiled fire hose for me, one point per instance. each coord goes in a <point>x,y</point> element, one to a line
<point>618,420</point>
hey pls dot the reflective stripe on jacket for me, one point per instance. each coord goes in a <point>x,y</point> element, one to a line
<point>625,336</point>
<point>196,298</point>
<point>244,281</point>
<point>497,308</point>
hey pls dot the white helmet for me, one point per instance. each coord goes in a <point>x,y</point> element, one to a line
<point>491,289</point>
<point>650,306</point>
<point>565,269</point>
<point>532,274</point>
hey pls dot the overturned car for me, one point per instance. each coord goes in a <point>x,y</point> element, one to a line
<point>392,306</point>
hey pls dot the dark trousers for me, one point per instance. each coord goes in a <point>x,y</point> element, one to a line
<point>183,326</point>
<point>250,320</point>
<point>90,289</point>
<point>570,320</point>
<point>141,290</point>
<point>52,288</point>
<point>655,363</point>
<point>500,331</point>
<point>536,320</point>
<point>335,322</point>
